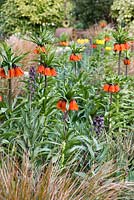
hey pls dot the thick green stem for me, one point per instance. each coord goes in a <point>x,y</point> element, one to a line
<point>45,81</point>
<point>75,68</point>
<point>65,116</point>
<point>111,98</point>
<point>119,63</point>
<point>110,102</point>
<point>10,92</point>
<point>126,70</point>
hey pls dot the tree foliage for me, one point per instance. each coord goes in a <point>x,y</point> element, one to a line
<point>123,11</point>
<point>27,15</point>
<point>91,11</point>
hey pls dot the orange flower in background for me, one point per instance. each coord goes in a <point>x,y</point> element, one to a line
<point>61,105</point>
<point>116,47</point>
<point>64,44</point>
<point>39,49</point>
<point>107,39</point>
<point>127,46</point>
<point>11,73</point>
<point>73,105</point>
<point>53,72</point>
<point>1,99</point>
<point>75,58</point>
<point>93,46</point>
<point>126,61</point>
<point>117,88</point>
<point>106,87</point>
<point>2,73</point>
<point>18,71</point>
<point>41,69</point>
<point>47,71</point>
<point>103,24</point>
<point>121,47</point>
<point>111,88</point>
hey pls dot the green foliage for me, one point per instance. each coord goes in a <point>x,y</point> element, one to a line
<point>123,11</point>
<point>91,11</point>
<point>36,127</point>
<point>8,59</point>
<point>121,36</point>
<point>23,16</point>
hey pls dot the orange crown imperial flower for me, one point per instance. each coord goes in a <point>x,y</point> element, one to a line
<point>121,47</point>
<point>61,105</point>
<point>47,71</point>
<point>41,69</point>
<point>111,88</point>
<point>126,61</point>
<point>73,105</point>
<point>75,58</point>
<point>2,73</point>
<point>63,43</point>
<point>39,50</point>
<point>94,46</point>
<point>107,39</point>
<point>13,72</point>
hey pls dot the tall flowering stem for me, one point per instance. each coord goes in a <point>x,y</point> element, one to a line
<point>65,117</point>
<point>10,92</point>
<point>45,81</point>
<point>75,68</point>
<point>111,89</point>
<point>119,63</point>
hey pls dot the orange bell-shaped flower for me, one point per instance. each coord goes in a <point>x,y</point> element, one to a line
<point>18,71</point>
<point>73,105</point>
<point>11,73</point>
<point>53,72</point>
<point>2,73</point>
<point>106,87</point>
<point>75,58</point>
<point>117,88</point>
<point>41,69</point>
<point>126,61</point>
<point>61,105</point>
<point>47,71</point>
<point>112,88</point>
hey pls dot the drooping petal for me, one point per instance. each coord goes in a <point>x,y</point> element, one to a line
<point>2,73</point>
<point>18,71</point>
<point>112,88</point>
<point>41,69</point>
<point>47,71</point>
<point>106,87</point>
<point>53,72</point>
<point>61,105</point>
<point>11,73</point>
<point>73,105</point>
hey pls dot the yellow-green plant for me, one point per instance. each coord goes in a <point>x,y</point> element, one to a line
<point>123,11</point>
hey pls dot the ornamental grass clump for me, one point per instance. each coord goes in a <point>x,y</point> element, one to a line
<point>23,181</point>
